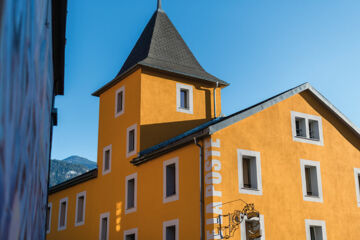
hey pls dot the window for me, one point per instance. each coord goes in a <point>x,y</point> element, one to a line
<point>131,193</point>
<point>131,140</point>
<point>171,180</point>
<point>171,230</point>
<point>131,234</point>
<point>357,184</point>
<point>119,101</point>
<point>184,98</point>
<point>62,214</point>
<point>253,229</point>
<point>80,208</point>
<point>249,172</point>
<point>104,226</point>
<point>106,159</point>
<point>315,230</point>
<point>311,181</point>
<point>48,217</point>
<point>306,128</point>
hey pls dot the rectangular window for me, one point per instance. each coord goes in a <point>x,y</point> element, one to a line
<point>131,193</point>
<point>62,213</point>
<point>184,98</point>
<point>315,230</point>
<point>104,226</point>
<point>171,180</point>
<point>249,172</point>
<point>357,185</point>
<point>307,128</point>
<point>131,234</point>
<point>119,101</point>
<point>80,208</point>
<point>253,229</point>
<point>171,230</point>
<point>48,217</point>
<point>311,181</point>
<point>131,140</point>
<point>107,159</point>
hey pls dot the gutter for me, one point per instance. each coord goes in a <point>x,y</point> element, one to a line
<point>202,214</point>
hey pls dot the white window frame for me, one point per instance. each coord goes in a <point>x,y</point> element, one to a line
<point>127,178</point>
<point>180,86</point>
<point>315,164</point>
<point>104,215</point>
<point>66,199</point>
<point>241,153</point>
<point>122,89</point>
<point>132,127</point>
<point>106,171</point>
<point>175,223</point>
<point>317,223</point>
<point>307,139</point>
<point>80,194</point>
<point>50,213</point>
<point>174,197</point>
<point>357,185</point>
<point>131,231</point>
<point>243,227</point>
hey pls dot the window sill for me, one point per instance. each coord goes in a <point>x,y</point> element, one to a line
<point>251,191</point>
<point>130,210</point>
<point>311,139</point>
<point>171,198</point>
<point>313,198</point>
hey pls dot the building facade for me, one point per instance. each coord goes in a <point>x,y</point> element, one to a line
<point>171,167</point>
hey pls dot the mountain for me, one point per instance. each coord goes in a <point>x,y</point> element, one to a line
<point>63,170</point>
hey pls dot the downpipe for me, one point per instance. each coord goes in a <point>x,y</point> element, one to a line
<point>202,214</point>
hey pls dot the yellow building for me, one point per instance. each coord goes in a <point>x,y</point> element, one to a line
<point>169,164</point>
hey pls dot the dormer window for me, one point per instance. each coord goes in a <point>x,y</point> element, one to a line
<point>306,128</point>
<point>119,101</point>
<point>184,98</point>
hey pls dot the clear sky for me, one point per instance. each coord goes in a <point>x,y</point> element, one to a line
<point>261,47</point>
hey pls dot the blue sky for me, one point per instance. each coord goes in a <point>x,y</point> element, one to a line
<point>261,47</point>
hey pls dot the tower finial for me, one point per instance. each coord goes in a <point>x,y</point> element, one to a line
<point>159,5</point>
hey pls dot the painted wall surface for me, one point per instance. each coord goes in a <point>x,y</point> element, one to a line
<point>281,203</point>
<point>26,98</point>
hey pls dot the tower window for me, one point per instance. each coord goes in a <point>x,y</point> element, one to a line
<point>249,172</point>
<point>306,128</point>
<point>171,180</point>
<point>80,208</point>
<point>131,234</point>
<point>184,98</point>
<point>48,217</point>
<point>357,184</point>
<point>119,101</point>
<point>311,181</point>
<point>315,230</point>
<point>62,214</point>
<point>104,226</point>
<point>131,193</point>
<point>106,159</point>
<point>131,140</point>
<point>171,230</point>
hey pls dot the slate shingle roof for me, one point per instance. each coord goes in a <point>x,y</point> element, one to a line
<point>160,46</point>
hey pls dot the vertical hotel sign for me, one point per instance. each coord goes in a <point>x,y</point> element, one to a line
<point>213,204</point>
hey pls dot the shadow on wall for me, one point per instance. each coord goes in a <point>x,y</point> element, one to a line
<point>153,134</point>
<point>332,119</point>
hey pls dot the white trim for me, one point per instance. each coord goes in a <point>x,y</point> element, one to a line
<point>104,215</point>
<point>131,231</point>
<point>127,178</point>
<point>80,194</point>
<point>176,195</point>
<point>307,139</point>
<point>357,185</point>
<point>317,223</point>
<point>106,171</point>
<point>50,213</point>
<point>122,89</point>
<point>243,228</point>
<point>66,199</point>
<point>241,153</point>
<point>180,86</point>
<point>170,223</point>
<point>132,127</point>
<point>315,164</point>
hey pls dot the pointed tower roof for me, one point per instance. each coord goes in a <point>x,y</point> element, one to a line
<point>161,47</point>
